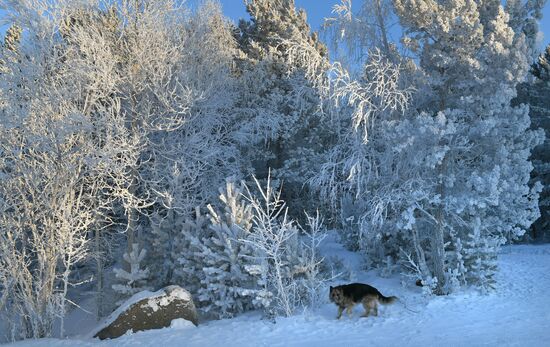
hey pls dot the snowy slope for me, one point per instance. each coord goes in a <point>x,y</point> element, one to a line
<point>517,314</point>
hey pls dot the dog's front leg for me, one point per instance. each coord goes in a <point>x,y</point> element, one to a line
<point>340,310</point>
<point>349,310</point>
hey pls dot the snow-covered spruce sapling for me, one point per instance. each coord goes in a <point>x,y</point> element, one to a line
<point>187,243</point>
<point>480,258</point>
<point>229,283</point>
<point>134,280</point>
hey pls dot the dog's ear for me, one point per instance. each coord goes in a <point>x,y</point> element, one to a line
<point>331,288</point>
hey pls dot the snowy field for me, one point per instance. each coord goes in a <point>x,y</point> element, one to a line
<point>517,314</point>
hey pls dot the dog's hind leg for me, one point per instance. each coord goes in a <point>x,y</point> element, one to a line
<point>367,309</point>
<point>369,303</point>
<point>375,307</point>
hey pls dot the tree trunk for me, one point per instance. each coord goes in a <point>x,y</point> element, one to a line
<point>133,217</point>
<point>99,274</point>
<point>438,258</point>
<point>437,240</point>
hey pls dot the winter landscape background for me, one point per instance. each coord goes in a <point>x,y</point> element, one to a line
<point>257,162</point>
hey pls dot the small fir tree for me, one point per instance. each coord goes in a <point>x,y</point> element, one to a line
<point>134,280</point>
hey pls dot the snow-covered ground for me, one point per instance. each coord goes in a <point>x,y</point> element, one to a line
<point>517,314</point>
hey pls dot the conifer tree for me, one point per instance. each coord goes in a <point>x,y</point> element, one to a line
<point>525,16</point>
<point>444,182</point>
<point>229,285</point>
<point>134,280</point>
<point>536,93</point>
<point>287,132</point>
<point>477,183</point>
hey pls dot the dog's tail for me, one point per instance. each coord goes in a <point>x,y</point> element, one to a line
<point>386,300</point>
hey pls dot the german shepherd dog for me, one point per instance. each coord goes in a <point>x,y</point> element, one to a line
<point>348,295</point>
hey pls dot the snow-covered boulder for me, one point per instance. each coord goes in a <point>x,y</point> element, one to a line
<point>147,310</point>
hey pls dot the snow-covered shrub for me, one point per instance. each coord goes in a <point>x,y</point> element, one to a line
<point>312,280</point>
<point>291,266</point>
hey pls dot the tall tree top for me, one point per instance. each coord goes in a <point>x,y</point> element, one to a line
<point>464,46</point>
<point>273,20</point>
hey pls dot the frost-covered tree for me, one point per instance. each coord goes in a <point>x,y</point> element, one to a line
<point>352,33</point>
<point>285,130</point>
<point>149,97</point>
<point>147,115</point>
<point>357,176</point>
<point>536,94</point>
<point>112,114</point>
<point>47,157</point>
<point>524,20</point>
<point>12,38</point>
<point>476,184</point>
<point>163,118</point>
<point>195,158</point>
<point>541,68</point>
<point>86,38</point>
<point>443,182</point>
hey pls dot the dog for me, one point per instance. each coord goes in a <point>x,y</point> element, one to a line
<point>348,295</point>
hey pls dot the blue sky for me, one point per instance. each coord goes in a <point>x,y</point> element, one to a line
<point>316,9</point>
<point>319,9</point>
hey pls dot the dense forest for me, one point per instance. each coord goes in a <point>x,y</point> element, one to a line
<point>145,143</point>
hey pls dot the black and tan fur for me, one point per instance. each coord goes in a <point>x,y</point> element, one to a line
<point>348,295</point>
